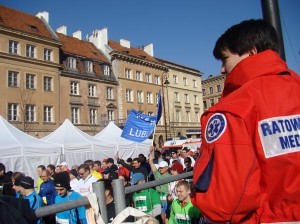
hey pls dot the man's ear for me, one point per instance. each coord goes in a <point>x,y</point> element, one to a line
<point>253,51</point>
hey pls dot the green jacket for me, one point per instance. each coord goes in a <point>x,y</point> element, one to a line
<point>183,215</point>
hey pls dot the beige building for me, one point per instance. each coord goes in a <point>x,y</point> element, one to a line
<point>183,100</point>
<point>29,64</point>
<point>212,88</point>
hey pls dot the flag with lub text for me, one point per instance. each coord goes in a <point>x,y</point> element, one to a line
<point>159,107</point>
<point>138,126</point>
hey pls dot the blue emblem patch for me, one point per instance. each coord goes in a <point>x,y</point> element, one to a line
<point>215,127</point>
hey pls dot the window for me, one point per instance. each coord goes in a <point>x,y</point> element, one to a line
<point>156,99</point>
<point>196,101</point>
<point>93,116</point>
<point>13,47</point>
<point>30,51</point>
<point>106,70</point>
<point>185,81</point>
<point>205,105</point>
<point>140,96</point>
<point>197,116</point>
<point>212,102</point>
<point>47,83</point>
<point>111,115</point>
<point>30,81</point>
<point>30,113</point>
<point>138,75</point>
<point>176,96</point>
<point>188,116</point>
<point>149,98</point>
<point>211,90</point>
<point>148,77</point>
<point>109,93</point>
<point>48,110</point>
<point>92,90</point>
<point>218,88</point>
<point>175,79</point>
<point>203,92</point>
<point>127,73</point>
<point>72,63</point>
<point>156,79</point>
<point>177,116</point>
<point>194,83</point>
<point>74,88</point>
<point>13,110</point>
<point>89,67</point>
<point>150,113</point>
<point>13,79</point>
<point>75,115</point>
<point>47,54</point>
<point>129,97</point>
<point>186,98</point>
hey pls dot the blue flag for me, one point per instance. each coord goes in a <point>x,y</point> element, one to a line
<point>159,108</point>
<point>139,126</point>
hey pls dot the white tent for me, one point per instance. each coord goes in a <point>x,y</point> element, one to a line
<point>24,153</point>
<point>112,133</point>
<point>78,146</point>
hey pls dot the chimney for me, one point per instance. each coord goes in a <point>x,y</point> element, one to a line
<point>78,34</point>
<point>125,43</point>
<point>62,29</point>
<point>149,49</point>
<point>44,14</point>
<point>99,38</point>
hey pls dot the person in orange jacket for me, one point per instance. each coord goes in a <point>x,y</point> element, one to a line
<point>248,171</point>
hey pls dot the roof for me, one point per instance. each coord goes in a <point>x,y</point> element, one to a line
<point>17,20</point>
<point>82,48</point>
<point>132,51</point>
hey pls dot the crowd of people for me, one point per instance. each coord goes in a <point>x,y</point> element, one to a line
<point>61,183</point>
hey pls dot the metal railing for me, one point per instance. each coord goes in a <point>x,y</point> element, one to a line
<point>119,196</point>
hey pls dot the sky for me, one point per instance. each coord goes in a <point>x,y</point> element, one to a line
<point>183,32</point>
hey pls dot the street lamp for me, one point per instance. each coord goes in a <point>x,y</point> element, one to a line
<point>165,77</point>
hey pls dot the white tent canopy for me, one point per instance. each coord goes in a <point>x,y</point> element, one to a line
<point>112,133</point>
<point>24,153</point>
<point>78,146</point>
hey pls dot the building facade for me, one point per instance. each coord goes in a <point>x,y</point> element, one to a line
<point>212,88</point>
<point>29,67</point>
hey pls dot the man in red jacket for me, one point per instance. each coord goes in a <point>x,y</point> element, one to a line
<point>249,168</point>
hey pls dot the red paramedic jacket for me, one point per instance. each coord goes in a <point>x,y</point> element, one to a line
<point>249,167</point>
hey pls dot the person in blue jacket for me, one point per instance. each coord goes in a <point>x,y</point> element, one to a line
<point>26,188</point>
<point>64,194</point>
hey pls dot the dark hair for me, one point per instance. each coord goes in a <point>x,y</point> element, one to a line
<point>242,37</point>
<point>51,166</point>
<point>2,167</point>
<point>85,167</point>
<point>98,162</point>
<point>42,167</point>
<point>136,159</point>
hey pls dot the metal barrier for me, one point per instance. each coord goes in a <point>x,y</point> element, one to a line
<point>119,196</point>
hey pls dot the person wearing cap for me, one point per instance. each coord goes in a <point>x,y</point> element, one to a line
<point>65,194</point>
<point>86,180</point>
<point>163,190</point>
<point>74,182</point>
<point>26,188</point>
<point>147,200</point>
<point>64,167</point>
<point>182,209</point>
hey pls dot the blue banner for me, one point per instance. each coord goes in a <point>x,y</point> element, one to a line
<point>139,126</point>
<point>159,108</point>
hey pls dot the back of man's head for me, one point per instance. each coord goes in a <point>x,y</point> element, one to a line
<point>243,37</point>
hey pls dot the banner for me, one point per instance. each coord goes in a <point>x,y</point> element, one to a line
<point>139,126</point>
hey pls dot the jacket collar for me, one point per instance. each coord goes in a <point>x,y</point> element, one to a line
<point>262,64</point>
